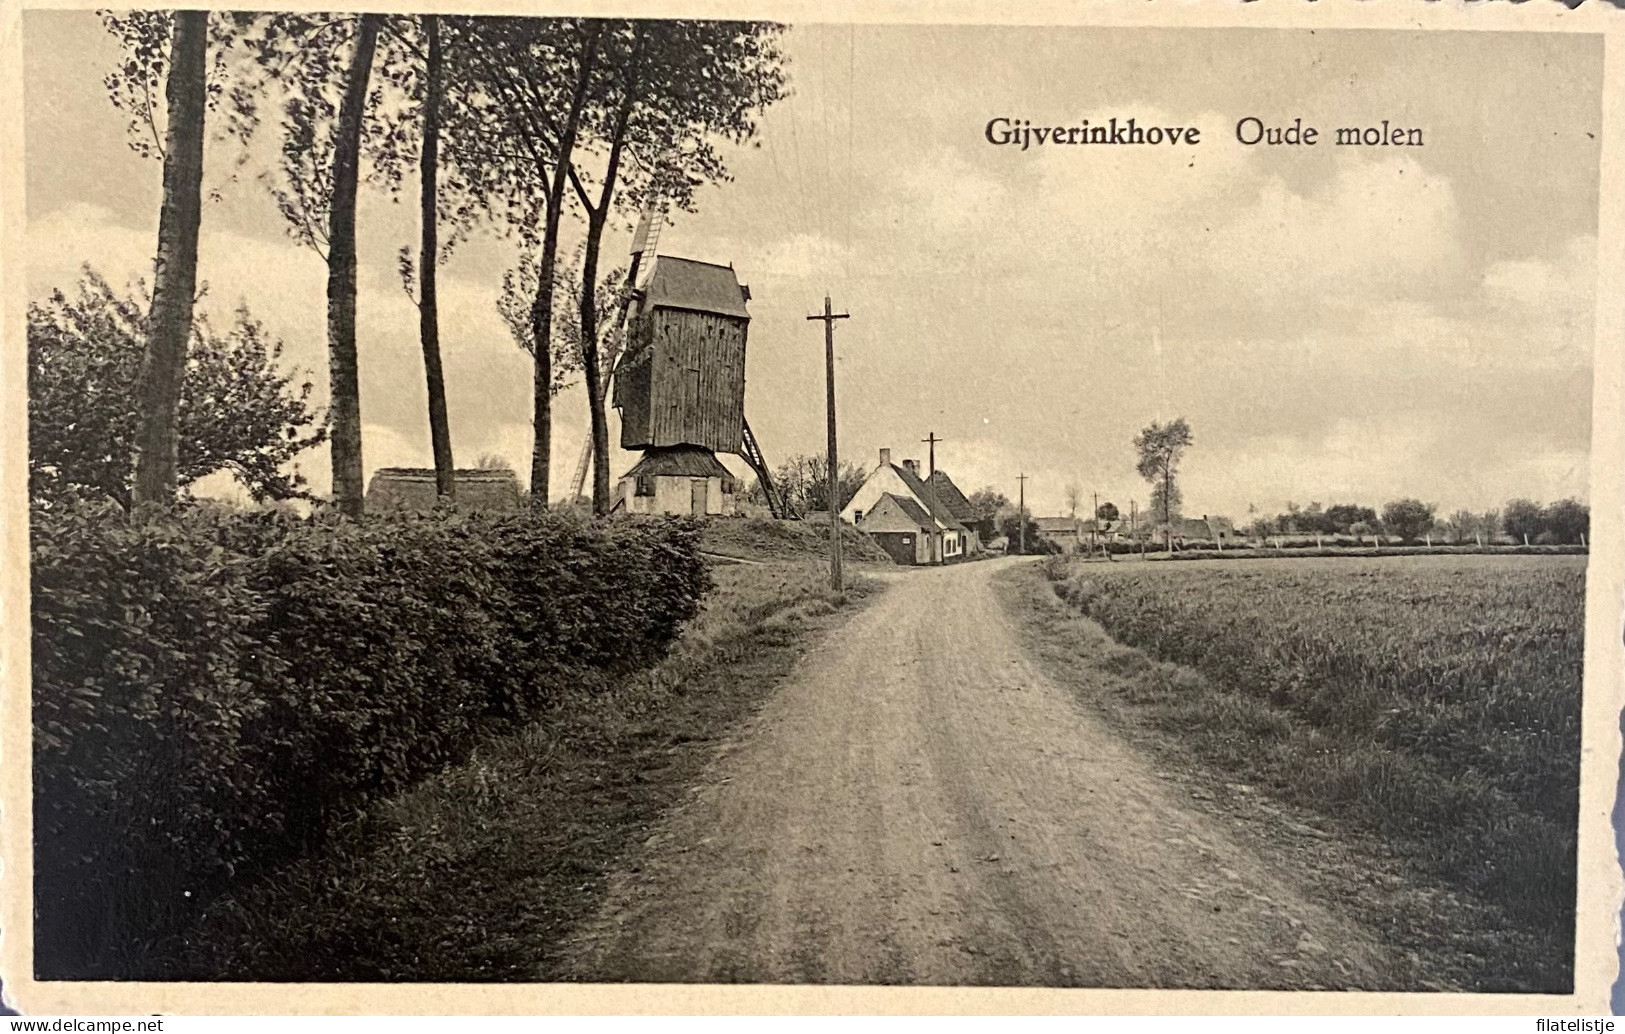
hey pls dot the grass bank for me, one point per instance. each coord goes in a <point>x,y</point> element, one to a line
<point>763,538</point>
<point>1357,551</point>
<point>1427,709</point>
<point>476,874</point>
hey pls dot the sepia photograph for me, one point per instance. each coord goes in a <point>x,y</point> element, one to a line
<point>528,498</point>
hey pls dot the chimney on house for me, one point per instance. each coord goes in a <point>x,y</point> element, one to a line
<point>885,457</point>
<point>913,467</point>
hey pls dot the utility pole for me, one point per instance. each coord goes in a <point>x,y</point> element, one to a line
<point>1094,522</point>
<point>931,440</point>
<point>829,316</point>
<point>1021,513</point>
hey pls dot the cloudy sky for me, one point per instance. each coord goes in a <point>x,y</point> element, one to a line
<point>1336,323</point>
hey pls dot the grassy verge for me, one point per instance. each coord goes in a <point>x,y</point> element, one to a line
<point>1315,552</point>
<point>1367,702</point>
<point>476,874</point>
<point>763,538</point>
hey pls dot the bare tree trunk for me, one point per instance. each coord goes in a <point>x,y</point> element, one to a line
<point>428,304</point>
<point>343,369</point>
<point>169,324</point>
<point>541,310</point>
<point>589,363</point>
<point>591,371</point>
<point>1168,507</point>
<point>541,323</point>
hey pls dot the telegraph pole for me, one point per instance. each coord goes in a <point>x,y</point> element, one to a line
<point>829,316</point>
<point>931,440</point>
<point>1021,513</point>
<point>1094,524</point>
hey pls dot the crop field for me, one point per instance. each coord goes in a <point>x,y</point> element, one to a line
<point>1433,700</point>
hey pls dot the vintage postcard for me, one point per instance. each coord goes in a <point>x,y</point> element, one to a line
<point>757,506</point>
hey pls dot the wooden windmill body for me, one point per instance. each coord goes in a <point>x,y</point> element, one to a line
<point>680,389</point>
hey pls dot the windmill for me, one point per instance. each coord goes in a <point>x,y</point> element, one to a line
<point>645,241</point>
<point>680,389</point>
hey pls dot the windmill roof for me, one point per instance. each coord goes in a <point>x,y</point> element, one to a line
<point>680,283</point>
<point>927,498</point>
<point>679,461</point>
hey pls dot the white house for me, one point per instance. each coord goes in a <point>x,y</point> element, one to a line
<point>947,540</point>
<point>684,479</point>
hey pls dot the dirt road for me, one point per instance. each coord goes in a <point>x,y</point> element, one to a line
<point>919,805</point>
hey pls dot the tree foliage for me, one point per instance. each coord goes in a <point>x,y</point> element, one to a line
<point>240,410</point>
<point>803,482</point>
<point>136,84</point>
<point>1343,516</point>
<point>1160,447</point>
<point>1523,519</point>
<point>1011,528</point>
<point>1567,521</point>
<point>664,90</point>
<point>1410,519</point>
<point>535,115</point>
<point>989,502</point>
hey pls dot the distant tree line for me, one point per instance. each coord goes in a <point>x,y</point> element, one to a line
<point>1564,522</point>
<point>803,484</point>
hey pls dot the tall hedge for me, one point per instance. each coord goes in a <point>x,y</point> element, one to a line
<point>213,691</point>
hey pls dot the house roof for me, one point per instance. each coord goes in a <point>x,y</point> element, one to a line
<point>463,475</point>
<point>680,283</point>
<point>903,506</point>
<point>1201,527</point>
<point>914,510</point>
<point>948,493</point>
<point>415,488</point>
<point>679,461</point>
<point>1057,524</point>
<point>927,498</point>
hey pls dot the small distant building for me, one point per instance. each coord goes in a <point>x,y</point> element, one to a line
<point>414,489</point>
<point>947,539</point>
<point>684,479</point>
<point>1063,531</point>
<point>1221,531</point>
<point>1103,530</point>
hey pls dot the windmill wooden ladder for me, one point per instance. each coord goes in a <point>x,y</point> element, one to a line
<point>753,456</point>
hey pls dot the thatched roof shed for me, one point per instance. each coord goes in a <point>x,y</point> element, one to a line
<point>413,488</point>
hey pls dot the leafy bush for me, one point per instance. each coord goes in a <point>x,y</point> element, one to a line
<point>214,691</point>
<point>240,409</point>
<point>144,677</point>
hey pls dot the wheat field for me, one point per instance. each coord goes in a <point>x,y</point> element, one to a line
<point>1434,700</point>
